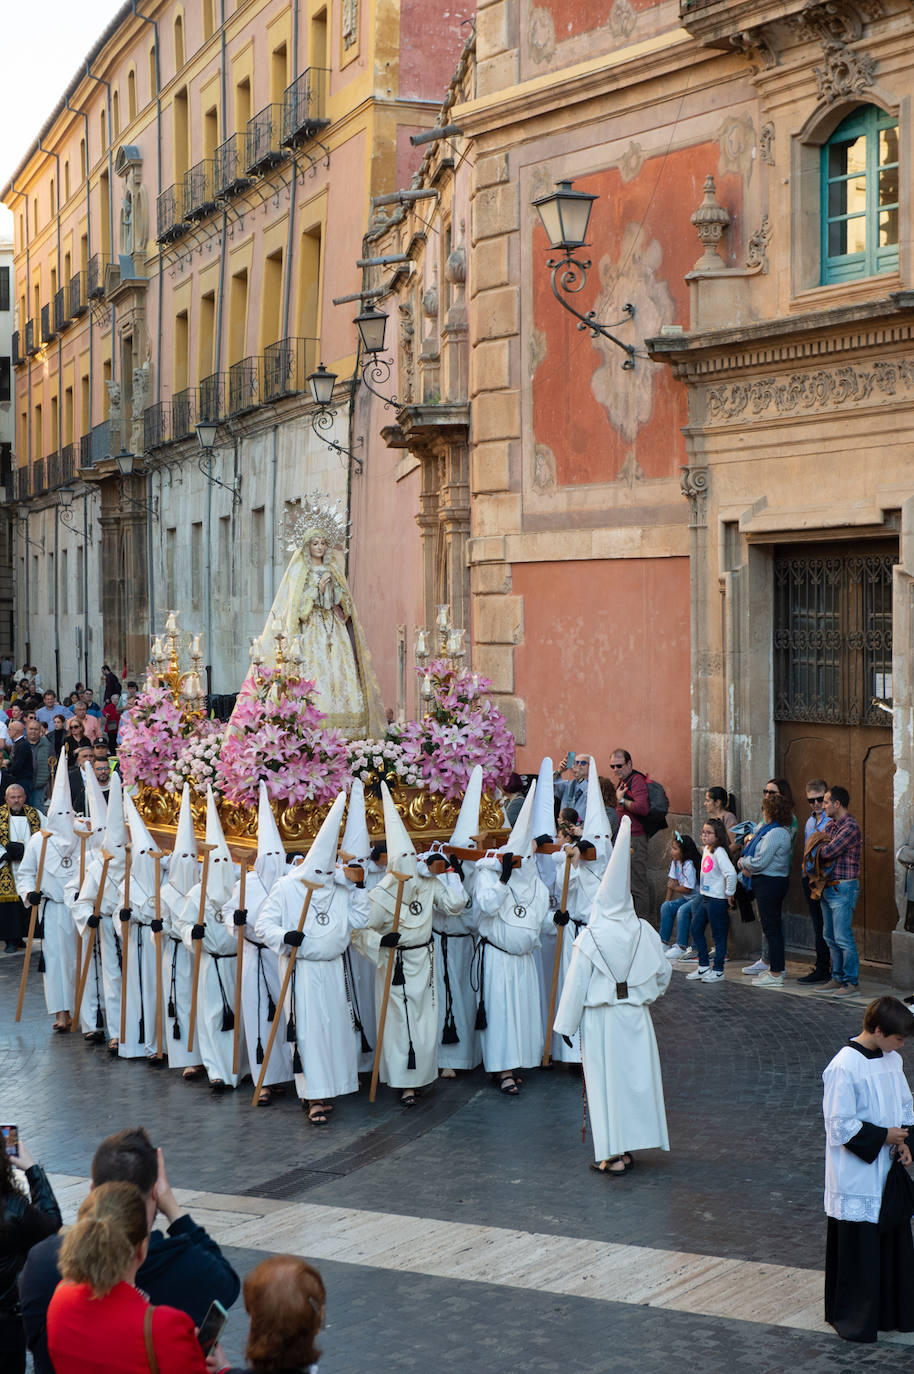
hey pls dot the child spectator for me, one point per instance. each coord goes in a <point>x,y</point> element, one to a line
<point>681,887</point>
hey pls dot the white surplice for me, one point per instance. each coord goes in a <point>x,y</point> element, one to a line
<point>216,991</point>
<point>178,975</point>
<point>858,1088</point>
<point>107,942</point>
<point>455,943</point>
<point>59,943</point>
<point>583,883</point>
<point>511,918</point>
<point>260,984</point>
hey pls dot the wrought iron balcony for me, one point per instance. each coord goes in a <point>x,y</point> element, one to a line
<point>17,356</point>
<point>245,385</point>
<point>232,165</point>
<point>156,426</point>
<point>95,278</point>
<point>67,466</point>
<point>61,314</point>
<point>84,450</point>
<point>200,189</point>
<point>170,214</point>
<point>286,366</point>
<point>23,483</point>
<point>47,330</point>
<point>31,341</point>
<point>102,442</point>
<point>183,414</point>
<point>38,484</point>
<point>211,398</point>
<point>265,139</point>
<point>52,470</point>
<point>303,107</point>
<point>79,298</point>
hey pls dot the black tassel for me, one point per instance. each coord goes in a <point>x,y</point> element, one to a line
<point>296,1061</point>
<point>399,978</point>
<point>290,1029</point>
<point>41,963</point>
<point>176,1032</point>
<point>99,1019</point>
<point>449,1034</point>
<point>171,1008</point>
<point>39,930</point>
<point>411,1057</point>
<point>366,1048</point>
<point>259,1055</point>
<point>271,1008</point>
<point>228,1019</point>
<point>142,1029</point>
<point>481,1021</point>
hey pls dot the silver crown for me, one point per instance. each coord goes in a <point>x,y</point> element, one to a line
<point>319,515</point>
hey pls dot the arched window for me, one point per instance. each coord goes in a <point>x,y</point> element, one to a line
<point>131,95</point>
<point>179,42</point>
<point>116,114</point>
<point>860,196</point>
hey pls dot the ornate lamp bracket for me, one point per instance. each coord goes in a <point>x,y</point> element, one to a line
<point>568,276</point>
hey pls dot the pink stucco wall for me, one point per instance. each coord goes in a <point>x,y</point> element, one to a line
<point>431,36</point>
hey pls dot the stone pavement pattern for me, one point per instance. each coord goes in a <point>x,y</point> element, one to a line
<point>469,1233</point>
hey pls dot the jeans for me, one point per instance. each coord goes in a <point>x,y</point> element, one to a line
<point>38,796</point>
<point>823,956</point>
<point>640,885</point>
<point>838,904</point>
<point>676,910</point>
<point>769,894</point>
<point>713,909</point>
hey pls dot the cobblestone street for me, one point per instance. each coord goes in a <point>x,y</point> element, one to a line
<point>469,1234</point>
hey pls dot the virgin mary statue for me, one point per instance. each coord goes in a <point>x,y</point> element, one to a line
<point>313,608</point>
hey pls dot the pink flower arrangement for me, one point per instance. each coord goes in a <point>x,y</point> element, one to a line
<point>275,735</point>
<point>196,763</point>
<point>463,728</point>
<point>153,737</point>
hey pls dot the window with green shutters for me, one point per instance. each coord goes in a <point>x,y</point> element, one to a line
<point>860,197</point>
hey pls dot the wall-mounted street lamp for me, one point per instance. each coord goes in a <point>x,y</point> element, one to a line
<point>22,514</point>
<point>126,466</point>
<point>376,371</point>
<point>207,432</point>
<point>65,495</point>
<point>565,216</point>
<point>321,384</point>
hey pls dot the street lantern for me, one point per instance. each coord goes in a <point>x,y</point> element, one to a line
<point>565,214</point>
<point>65,496</point>
<point>206,434</point>
<point>124,462</point>
<point>372,325</point>
<point>321,384</point>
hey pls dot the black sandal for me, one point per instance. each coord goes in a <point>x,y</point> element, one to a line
<point>610,1173</point>
<point>507,1084</point>
<point>317,1114</point>
<point>409,1098</point>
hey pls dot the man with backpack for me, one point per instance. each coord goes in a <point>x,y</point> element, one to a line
<point>633,800</point>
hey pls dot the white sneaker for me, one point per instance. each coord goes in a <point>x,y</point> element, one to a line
<point>697,973</point>
<point>769,980</point>
<point>674,951</point>
<point>712,976</point>
<point>758,967</point>
<point>689,957</point>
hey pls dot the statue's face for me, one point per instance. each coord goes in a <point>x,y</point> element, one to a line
<point>318,548</point>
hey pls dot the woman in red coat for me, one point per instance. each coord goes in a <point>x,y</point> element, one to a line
<point>98,1322</point>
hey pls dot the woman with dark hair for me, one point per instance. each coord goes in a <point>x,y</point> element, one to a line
<point>764,868</point>
<point>285,1300</point>
<point>98,1321</point>
<point>774,787</point>
<point>719,804</point>
<point>23,1223</point>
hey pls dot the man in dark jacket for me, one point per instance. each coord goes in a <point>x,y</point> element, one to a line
<point>184,1268</point>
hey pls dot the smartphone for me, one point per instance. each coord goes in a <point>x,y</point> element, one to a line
<point>571,758</point>
<point>211,1326</point>
<point>10,1135</point>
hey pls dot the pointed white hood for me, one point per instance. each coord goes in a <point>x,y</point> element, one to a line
<point>270,863</point>
<point>520,841</point>
<point>356,841</point>
<point>96,806</point>
<point>142,845</point>
<point>220,877</point>
<point>613,901</point>
<point>544,801</point>
<point>319,863</point>
<point>624,944</point>
<point>596,824</point>
<point>401,852</point>
<point>60,812</point>
<point>183,868</point>
<point>116,837</point>
<point>467,827</point>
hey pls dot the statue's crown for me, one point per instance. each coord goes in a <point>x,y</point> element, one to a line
<point>318,516</point>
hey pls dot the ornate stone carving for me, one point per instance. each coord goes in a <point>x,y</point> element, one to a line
<point>406,369</point>
<point>766,144</point>
<point>836,21</point>
<point>544,468</point>
<point>806,392</point>
<point>622,19</point>
<point>693,483</point>
<point>844,72</point>
<point>757,46</point>
<point>737,141</point>
<point>139,400</point>
<point>350,23</point>
<point>757,255</point>
<point>710,221</point>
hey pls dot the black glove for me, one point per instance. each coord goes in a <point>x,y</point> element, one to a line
<point>543,839</point>
<point>156,926</point>
<point>561,918</point>
<point>33,899</point>
<point>376,851</point>
<point>568,1041</point>
<point>586,849</point>
<point>125,913</point>
<point>457,866</point>
<point>390,940</point>
<point>14,851</point>
<point>197,932</point>
<point>94,922</point>
<point>507,867</point>
<point>293,938</point>
<point>240,918</point>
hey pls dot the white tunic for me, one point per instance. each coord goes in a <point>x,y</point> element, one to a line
<point>107,942</point>
<point>454,948</point>
<point>216,991</point>
<point>621,1063</point>
<point>178,975</point>
<point>260,983</point>
<point>140,1029</point>
<point>511,918</point>
<point>858,1089</point>
<point>59,943</point>
<point>583,884</point>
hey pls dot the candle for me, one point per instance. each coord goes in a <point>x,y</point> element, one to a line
<point>295,651</point>
<point>427,685</point>
<point>171,623</point>
<point>195,647</point>
<point>422,643</point>
<point>441,622</point>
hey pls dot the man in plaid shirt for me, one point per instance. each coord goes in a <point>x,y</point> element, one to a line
<point>841,848</point>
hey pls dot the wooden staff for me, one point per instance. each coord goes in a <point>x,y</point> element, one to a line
<point>559,941</point>
<point>402,879</point>
<point>236,1043</point>
<point>198,949</point>
<point>157,856</point>
<point>87,958</point>
<point>33,921</point>
<point>125,940</point>
<point>287,978</point>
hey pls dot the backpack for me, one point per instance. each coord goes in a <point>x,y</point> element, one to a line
<point>659,803</point>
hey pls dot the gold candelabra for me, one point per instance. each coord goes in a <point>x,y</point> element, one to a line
<point>450,644</point>
<point>287,653</point>
<point>187,691</point>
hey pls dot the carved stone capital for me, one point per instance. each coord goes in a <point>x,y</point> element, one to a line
<point>757,253</point>
<point>694,483</point>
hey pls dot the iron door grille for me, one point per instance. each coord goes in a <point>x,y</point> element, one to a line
<point>833,638</point>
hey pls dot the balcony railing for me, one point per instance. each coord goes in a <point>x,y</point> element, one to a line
<point>200,189</point>
<point>23,484</point>
<point>211,398</point>
<point>38,484</point>
<point>170,214</point>
<point>95,274</point>
<point>286,366</point>
<point>102,440</point>
<point>52,470</point>
<point>245,385</point>
<point>61,314</point>
<point>79,299</point>
<point>67,469</point>
<point>232,165</point>
<point>183,414</point>
<point>31,342</point>
<point>47,329</point>
<point>156,426</point>
<point>84,450</point>
<point>17,356</point>
<point>303,107</point>
<point>265,139</point>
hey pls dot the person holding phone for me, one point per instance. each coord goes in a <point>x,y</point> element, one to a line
<point>24,1221</point>
<point>99,1322</point>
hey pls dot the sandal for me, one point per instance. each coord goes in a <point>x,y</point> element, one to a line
<point>606,1167</point>
<point>447,1073</point>
<point>218,1085</point>
<point>191,1072</point>
<point>264,1097</point>
<point>62,1026</point>
<point>507,1084</point>
<point>409,1098</point>
<point>95,1037</point>
<point>112,1046</point>
<point>317,1114</point>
